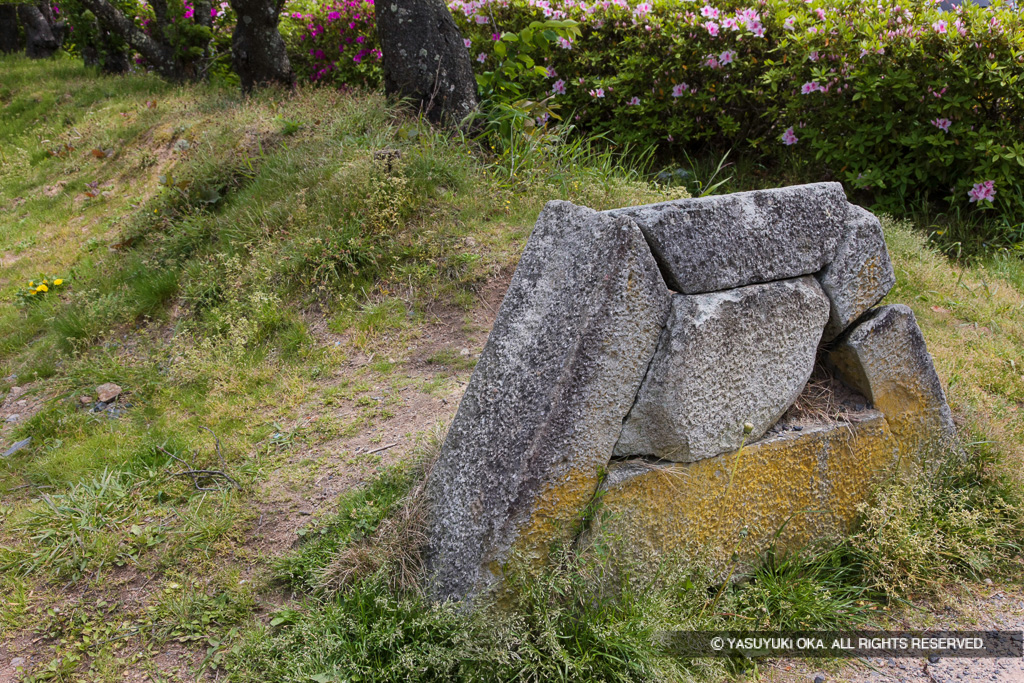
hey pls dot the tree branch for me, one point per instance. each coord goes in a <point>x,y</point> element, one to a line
<point>114,20</point>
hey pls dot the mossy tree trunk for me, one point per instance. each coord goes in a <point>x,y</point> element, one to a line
<point>159,55</point>
<point>257,48</point>
<point>425,58</point>
<point>105,50</point>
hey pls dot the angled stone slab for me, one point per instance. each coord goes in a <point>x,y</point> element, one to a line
<point>885,358</point>
<point>725,359</point>
<point>546,401</point>
<point>860,275</point>
<point>720,242</point>
<point>787,490</point>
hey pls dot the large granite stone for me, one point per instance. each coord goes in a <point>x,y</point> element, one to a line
<point>885,358</point>
<point>546,401</point>
<point>720,242</point>
<point>725,359</point>
<point>786,491</point>
<point>860,275</point>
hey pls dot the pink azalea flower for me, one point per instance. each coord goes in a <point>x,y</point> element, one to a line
<point>941,124</point>
<point>709,12</point>
<point>982,192</point>
<point>809,87</point>
<point>559,87</point>
<point>789,24</point>
<point>679,89</point>
<point>564,43</point>
<point>712,28</point>
<point>482,57</point>
<point>468,42</point>
<point>727,57</point>
<point>634,101</point>
<point>643,9</point>
<point>480,19</point>
<point>597,93</point>
<point>757,30</point>
<point>551,73</point>
<point>789,137</point>
<point>940,26</point>
<point>821,14</point>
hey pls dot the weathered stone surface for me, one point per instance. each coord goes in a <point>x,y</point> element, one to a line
<point>24,443</point>
<point>544,407</point>
<point>885,358</point>
<point>108,392</point>
<point>799,485</point>
<point>725,359</point>
<point>725,241</point>
<point>860,275</point>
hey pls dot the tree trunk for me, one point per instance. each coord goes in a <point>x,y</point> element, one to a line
<point>105,51</point>
<point>59,28</point>
<point>257,49</point>
<point>40,40</point>
<point>9,39</point>
<point>425,58</point>
<point>160,57</point>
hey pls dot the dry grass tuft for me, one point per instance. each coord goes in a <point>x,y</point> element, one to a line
<point>396,547</point>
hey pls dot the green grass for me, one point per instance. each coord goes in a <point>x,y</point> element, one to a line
<point>270,282</point>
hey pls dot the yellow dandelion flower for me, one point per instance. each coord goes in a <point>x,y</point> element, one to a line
<point>42,288</point>
<point>58,282</point>
<point>31,283</point>
<point>46,282</point>
<point>32,292</point>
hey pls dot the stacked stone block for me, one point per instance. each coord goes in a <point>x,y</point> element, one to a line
<point>646,352</point>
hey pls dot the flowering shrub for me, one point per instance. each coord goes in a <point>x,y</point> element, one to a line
<point>334,43</point>
<point>896,97</point>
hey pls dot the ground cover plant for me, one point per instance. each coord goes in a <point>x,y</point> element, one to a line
<point>291,290</point>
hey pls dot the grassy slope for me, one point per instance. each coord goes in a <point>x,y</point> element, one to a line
<point>249,269</point>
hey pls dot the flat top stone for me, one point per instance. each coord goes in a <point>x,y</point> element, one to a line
<point>720,242</point>
<point>725,360</point>
<point>546,401</point>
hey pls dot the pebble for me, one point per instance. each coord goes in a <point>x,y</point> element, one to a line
<point>86,400</point>
<point>988,582</point>
<point>108,392</point>
<point>24,443</point>
<point>22,403</point>
<point>13,418</point>
<point>100,406</point>
<point>934,659</point>
<point>17,662</point>
<point>819,679</point>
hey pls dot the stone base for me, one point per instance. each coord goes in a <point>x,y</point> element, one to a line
<point>788,489</point>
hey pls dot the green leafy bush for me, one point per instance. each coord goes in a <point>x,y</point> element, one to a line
<point>910,104</point>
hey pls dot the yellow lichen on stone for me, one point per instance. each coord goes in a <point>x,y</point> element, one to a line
<point>556,515</point>
<point>794,488</point>
<point>898,379</point>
